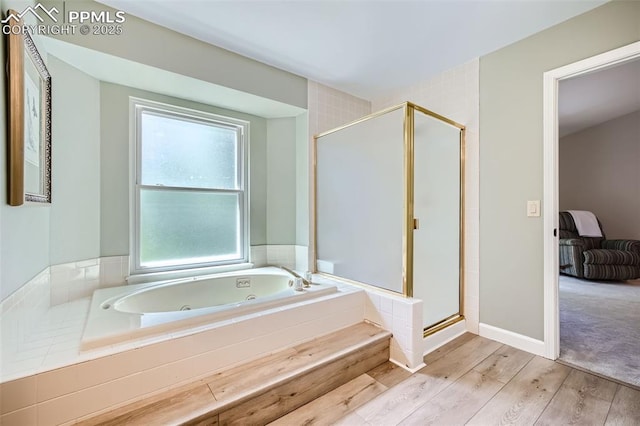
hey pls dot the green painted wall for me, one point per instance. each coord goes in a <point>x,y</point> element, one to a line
<point>115,165</point>
<point>150,44</point>
<point>302,179</point>
<point>75,211</point>
<point>90,187</point>
<point>511,164</point>
<point>37,235</point>
<point>281,181</point>
<point>24,230</point>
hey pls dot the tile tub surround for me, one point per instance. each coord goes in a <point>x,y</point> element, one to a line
<point>109,377</point>
<point>72,281</point>
<point>40,322</point>
<point>290,256</point>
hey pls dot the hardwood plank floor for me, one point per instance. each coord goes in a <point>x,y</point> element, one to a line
<point>473,380</point>
<point>583,399</point>
<point>523,399</point>
<point>625,408</point>
<point>504,363</point>
<point>461,400</point>
<point>457,403</point>
<point>410,394</point>
<point>389,374</point>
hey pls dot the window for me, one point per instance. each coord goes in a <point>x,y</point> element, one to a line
<point>190,188</point>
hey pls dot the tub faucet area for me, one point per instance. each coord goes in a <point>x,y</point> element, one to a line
<point>305,282</point>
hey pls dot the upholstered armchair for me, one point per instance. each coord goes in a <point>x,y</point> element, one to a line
<point>596,258</point>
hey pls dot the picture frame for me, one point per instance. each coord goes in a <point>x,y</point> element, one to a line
<point>29,107</point>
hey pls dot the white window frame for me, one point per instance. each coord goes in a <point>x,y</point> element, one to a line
<point>136,107</point>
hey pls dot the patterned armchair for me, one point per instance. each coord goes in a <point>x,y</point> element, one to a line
<point>596,258</point>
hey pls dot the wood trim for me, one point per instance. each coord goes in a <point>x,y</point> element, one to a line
<point>15,148</point>
<point>550,187</point>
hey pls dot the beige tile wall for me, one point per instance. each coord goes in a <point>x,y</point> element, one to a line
<point>330,108</point>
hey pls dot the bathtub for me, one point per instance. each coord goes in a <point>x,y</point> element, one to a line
<point>129,312</point>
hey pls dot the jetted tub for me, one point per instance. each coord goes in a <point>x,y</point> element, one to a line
<point>123,313</point>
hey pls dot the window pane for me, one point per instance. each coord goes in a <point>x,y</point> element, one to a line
<point>188,227</point>
<point>178,152</point>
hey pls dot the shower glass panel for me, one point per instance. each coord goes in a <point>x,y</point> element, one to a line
<point>360,201</point>
<point>389,207</point>
<point>437,206</point>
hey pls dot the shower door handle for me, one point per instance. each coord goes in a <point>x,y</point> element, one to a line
<point>416,223</point>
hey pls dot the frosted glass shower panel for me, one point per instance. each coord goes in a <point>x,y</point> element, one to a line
<point>436,244</point>
<point>360,201</point>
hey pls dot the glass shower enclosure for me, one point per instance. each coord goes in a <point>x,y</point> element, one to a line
<point>388,207</point>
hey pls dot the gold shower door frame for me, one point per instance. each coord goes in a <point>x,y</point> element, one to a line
<point>410,221</point>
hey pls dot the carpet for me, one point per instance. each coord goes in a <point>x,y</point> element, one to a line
<point>600,327</point>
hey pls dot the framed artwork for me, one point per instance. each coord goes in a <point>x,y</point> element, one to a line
<point>29,105</point>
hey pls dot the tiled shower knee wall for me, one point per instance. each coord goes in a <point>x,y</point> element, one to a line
<point>402,316</point>
<point>455,94</point>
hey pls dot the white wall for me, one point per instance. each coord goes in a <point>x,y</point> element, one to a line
<point>600,172</point>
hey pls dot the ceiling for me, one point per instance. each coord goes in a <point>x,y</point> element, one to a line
<point>597,97</point>
<point>367,48</point>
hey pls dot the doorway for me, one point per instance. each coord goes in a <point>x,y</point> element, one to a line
<point>552,81</point>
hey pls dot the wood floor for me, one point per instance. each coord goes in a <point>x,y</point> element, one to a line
<point>474,381</point>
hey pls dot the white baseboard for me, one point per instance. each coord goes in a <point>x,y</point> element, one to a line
<point>510,338</point>
<point>444,336</point>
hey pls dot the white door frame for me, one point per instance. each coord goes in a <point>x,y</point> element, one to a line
<point>550,200</point>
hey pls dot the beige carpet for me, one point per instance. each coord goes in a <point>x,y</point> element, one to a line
<point>600,327</point>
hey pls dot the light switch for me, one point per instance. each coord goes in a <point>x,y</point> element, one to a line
<point>533,208</point>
